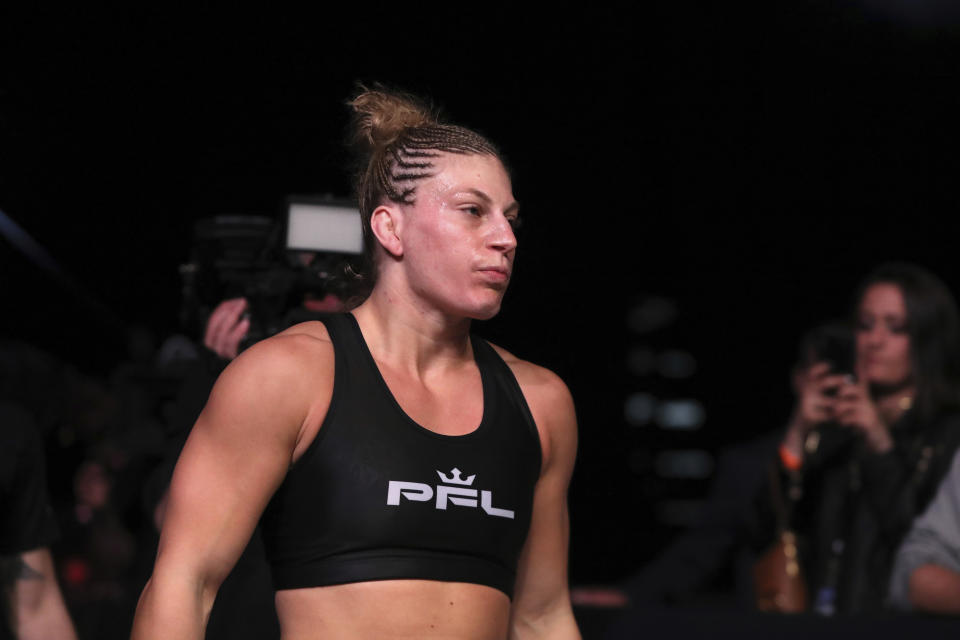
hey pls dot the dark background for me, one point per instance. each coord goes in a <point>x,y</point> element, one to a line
<point>748,162</point>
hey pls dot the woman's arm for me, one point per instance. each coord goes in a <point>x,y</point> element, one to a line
<point>541,604</point>
<point>235,457</point>
<point>935,589</point>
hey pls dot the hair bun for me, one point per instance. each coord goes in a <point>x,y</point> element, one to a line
<point>381,116</point>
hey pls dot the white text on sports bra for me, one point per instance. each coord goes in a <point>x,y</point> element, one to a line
<point>460,496</point>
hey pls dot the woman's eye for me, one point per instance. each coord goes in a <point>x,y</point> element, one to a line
<point>515,223</point>
<point>474,211</point>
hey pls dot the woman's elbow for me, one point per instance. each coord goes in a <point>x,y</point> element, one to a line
<point>935,589</point>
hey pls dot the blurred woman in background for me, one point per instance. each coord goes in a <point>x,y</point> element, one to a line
<point>869,441</point>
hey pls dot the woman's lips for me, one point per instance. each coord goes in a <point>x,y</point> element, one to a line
<point>495,274</point>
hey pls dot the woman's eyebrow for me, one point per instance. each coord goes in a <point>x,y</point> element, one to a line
<point>513,206</point>
<point>477,192</point>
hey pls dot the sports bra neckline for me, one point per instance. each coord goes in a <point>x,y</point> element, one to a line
<point>485,382</point>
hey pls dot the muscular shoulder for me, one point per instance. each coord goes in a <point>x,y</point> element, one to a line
<point>550,403</point>
<point>539,384</point>
<point>292,357</point>
<point>285,381</point>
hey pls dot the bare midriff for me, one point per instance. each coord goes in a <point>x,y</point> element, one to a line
<point>394,609</point>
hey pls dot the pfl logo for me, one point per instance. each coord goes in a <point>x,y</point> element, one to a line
<point>454,491</point>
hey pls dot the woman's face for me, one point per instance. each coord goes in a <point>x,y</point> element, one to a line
<point>883,343</point>
<point>458,238</point>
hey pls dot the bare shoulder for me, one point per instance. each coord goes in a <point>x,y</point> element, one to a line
<point>550,403</point>
<point>285,380</point>
<point>295,356</point>
<point>539,384</point>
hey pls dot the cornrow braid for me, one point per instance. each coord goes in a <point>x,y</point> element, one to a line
<point>408,159</point>
<point>398,138</point>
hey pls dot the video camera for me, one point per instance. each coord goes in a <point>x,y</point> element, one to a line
<point>273,264</point>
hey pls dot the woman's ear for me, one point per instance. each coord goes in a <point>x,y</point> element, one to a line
<point>385,222</point>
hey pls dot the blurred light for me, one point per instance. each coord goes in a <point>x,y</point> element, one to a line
<point>688,463</point>
<point>680,513</point>
<point>677,364</point>
<point>651,314</point>
<point>680,414</point>
<point>639,409</point>
<point>76,571</point>
<point>641,361</point>
<point>316,225</point>
<point>25,243</point>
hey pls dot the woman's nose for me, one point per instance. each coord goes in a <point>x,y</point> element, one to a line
<point>502,236</point>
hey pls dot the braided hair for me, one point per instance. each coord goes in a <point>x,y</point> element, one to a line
<point>397,139</point>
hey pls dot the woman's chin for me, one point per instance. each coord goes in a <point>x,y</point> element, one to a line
<point>485,314</point>
<point>483,311</point>
<point>884,386</point>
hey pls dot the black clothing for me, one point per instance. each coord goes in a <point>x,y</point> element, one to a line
<point>852,507</point>
<point>26,520</point>
<point>377,497</point>
<point>709,565</point>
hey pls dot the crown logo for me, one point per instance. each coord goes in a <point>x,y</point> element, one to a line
<point>455,477</point>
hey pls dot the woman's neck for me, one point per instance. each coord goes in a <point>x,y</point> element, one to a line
<point>406,335</point>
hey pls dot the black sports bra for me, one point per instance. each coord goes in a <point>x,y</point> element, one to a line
<point>376,496</point>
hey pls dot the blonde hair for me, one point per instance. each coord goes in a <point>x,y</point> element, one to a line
<point>397,137</point>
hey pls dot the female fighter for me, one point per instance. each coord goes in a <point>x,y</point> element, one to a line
<point>411,477</point>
